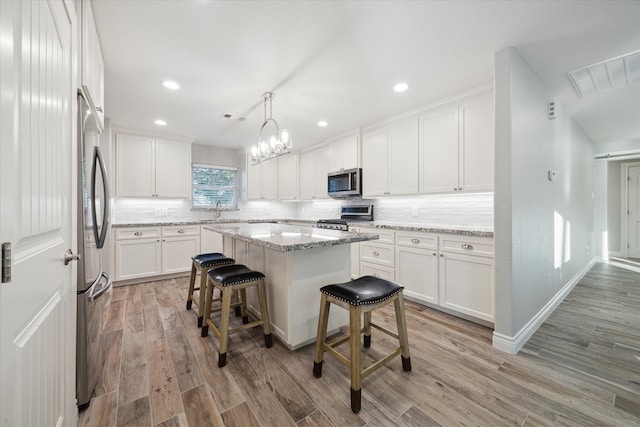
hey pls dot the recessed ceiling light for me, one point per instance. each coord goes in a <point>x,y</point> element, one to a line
<point>400,87</point>
<point>170,84</point>
<point>323,124</point>
<point>160,122</point>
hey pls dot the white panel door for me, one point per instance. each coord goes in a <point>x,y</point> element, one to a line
<point>417,271</point>
<point>37,213</point>
<point>476,145</point>
<point>321,166</point>
<point>173,169</point>
<point>439,151</point>
<point>306,176</point>
<point>288,177</point>
<point>633,224</point>
<point>374,164</point>
<point>177,253</point>
<point>403,157</point>
<point>135,166</point>
<point>254,180</point>
<point>270,179</point>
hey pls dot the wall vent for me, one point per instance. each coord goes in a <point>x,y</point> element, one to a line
<point>232,117</point>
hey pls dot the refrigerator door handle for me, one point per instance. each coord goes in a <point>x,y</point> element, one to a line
<point>95,295</point>
<point>99,163</point>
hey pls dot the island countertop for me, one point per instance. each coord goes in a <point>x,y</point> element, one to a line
<point>285,238</point>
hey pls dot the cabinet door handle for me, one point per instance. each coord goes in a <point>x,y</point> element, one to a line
<point>466,246</point>
<point>99,109</point>
<point>180,231</point>
<point>416,241</point>
<point>138,233</point>
<point>376,253</point>
<point>434,254</point>
<point>441,255</point>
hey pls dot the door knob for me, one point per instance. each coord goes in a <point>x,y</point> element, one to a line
<point>70,256</point>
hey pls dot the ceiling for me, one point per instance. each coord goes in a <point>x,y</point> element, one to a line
<point>338,61</point>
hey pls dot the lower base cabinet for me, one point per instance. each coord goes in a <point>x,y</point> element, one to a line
<point>466,285</point>
<point>153,251</point>
<point>454,272</point>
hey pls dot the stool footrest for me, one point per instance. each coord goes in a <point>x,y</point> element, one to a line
<point>386,331</point>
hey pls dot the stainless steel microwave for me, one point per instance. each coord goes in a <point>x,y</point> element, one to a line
<point>345,183</point>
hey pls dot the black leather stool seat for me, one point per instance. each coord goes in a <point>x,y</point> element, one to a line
<point>211,259</point>
<point>363,290</point>
<point>234,274</point>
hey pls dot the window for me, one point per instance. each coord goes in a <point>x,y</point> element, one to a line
<point>211,184</point>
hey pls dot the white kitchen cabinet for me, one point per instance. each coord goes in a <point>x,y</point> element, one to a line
<point>150,167</point>
<point>344,153</point>
<point>91,63</point>
<point>355,255</point>
<point>457,147</point>
<point>477,144</point>
<point>137,253</point>
<point>152,251</point>
<point>262,180</point>
<point>466,276</point>
<point>374,163</point>
<point>288,177</point>
<point>179,244</point>
<point>314,167</point>
<point>417,265</point>
<point>439,151</point>
<point>466,284</point>
<point>390,159</point>
<point>377,257</point>
<point>210,241</point>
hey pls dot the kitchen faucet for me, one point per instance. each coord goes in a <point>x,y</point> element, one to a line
<point>218,210</point>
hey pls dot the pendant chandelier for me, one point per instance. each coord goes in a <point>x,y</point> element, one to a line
<point>272,142</point>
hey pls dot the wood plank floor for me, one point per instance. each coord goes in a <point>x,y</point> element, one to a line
<point>582,367</point>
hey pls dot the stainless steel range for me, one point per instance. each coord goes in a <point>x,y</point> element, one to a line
<point>347,214</point>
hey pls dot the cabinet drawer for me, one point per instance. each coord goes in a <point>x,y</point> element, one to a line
<point>417,240</point>
<point>377,253</point>
<point>137,233</point>
<point>181,230</point>
<point>367,269</point>
<point>466,245</point>
<point>386,236</point>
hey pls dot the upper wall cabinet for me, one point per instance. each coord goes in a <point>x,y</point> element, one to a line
<point>150,167</point>
<point>314,167</point>
<point>390,159</point>
<point>288,177</point>
<point>457,147</point>
<point>262,180</point>
<point>91,63</point>
<point>344,154</point>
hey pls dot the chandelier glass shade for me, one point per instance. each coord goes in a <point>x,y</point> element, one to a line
<point>272,142</point>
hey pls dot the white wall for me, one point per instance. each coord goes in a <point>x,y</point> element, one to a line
<point>543,229</point>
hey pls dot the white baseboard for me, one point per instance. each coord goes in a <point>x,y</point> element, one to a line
<point>514,344</point>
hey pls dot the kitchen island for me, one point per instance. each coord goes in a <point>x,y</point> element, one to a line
<point>297,261</point>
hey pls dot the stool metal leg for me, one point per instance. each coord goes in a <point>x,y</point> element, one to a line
<point>323,319</point>
<point>356,374</point>
<point>224,327</point>
<point>192,282</point>
<point>402,332</point>
<point>264,309</point>
<point>367,329</point>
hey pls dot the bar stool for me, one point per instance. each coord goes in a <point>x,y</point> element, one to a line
<point>229,279</point>
<point>204,263</point>
<point>362,295</point>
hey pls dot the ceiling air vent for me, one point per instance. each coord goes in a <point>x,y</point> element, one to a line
<point>606,75</point>
<point>232,117</point>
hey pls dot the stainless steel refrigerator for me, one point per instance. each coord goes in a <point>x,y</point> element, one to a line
<point>94,283</point>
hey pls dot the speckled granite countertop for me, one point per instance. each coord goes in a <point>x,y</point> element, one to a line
<point>464,230</point>
<point>285,238</point>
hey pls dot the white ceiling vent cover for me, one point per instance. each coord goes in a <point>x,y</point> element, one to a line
<point>606,75</point>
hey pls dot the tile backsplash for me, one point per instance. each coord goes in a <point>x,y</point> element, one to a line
<point>474,209</point>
